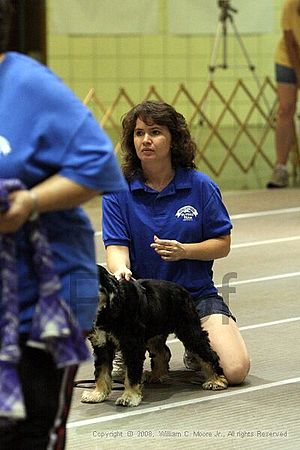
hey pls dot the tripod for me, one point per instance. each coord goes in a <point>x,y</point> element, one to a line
<point>225,15</point>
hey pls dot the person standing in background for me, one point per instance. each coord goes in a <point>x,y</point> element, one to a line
<point>53,150</point>
<point>287,73</point>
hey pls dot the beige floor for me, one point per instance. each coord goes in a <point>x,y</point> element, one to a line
<point>262,413</point>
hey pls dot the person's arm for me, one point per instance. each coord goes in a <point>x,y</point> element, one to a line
<point>172,250</point>
<point>53,194</point>
<point>293,52</point>
<point>118,262</point>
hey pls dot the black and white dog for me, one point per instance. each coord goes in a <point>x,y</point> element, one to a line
<point>136,316</point>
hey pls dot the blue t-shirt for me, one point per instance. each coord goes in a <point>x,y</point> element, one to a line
<point>189,209</point>
<point>45,130</point>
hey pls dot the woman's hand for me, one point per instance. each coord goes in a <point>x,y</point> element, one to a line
<point>118,262</point>
<point>21,205</point>
<point>169,250</point>
<point>123,274</point>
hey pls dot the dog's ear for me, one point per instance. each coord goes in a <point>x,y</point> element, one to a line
<point>109,292</point>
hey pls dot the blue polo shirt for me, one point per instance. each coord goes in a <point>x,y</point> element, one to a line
<point>45,130</point>
<point>190,209</point>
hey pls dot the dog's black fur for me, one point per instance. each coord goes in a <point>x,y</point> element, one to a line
<point>135,316</point>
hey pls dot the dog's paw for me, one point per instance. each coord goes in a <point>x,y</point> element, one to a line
<point>93,396</point>
<point>129,399</point>
<point>151,378</point>
<point>216,383</point>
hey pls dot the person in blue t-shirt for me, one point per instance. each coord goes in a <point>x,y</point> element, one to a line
<point>171,224</point>
<point>51,143</point>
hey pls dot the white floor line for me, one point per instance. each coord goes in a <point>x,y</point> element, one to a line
<point>139,412</point>
<point>265,242</point>
<point>261,279</point>
<point>254,326</point>
<point>269,324</point>
<point>270,212</point>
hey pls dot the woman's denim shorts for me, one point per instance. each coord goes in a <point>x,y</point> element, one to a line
<point>284,74</point>
<point>212,304</point>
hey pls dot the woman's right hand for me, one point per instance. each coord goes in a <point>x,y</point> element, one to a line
<point>124,273</point>
<point>118,262</point>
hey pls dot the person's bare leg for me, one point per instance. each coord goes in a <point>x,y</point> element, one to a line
<point>287,96</point>
<point>227,341</point>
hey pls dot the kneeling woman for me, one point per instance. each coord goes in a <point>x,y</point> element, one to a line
<point>171,224</point>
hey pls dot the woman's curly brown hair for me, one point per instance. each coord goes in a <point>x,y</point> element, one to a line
<point>183,148</point>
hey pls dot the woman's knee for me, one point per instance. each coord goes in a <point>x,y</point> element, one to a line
<point>237,372</point>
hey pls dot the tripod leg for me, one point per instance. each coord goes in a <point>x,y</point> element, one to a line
<point>213,59</point>
<point>224,27</point>
<point>242,46</point>
<point>247,58</point>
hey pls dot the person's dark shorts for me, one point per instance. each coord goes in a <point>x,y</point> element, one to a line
<point>284,74</point>
<point>212,304</point>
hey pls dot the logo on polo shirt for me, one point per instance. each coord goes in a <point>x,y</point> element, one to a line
<point>187,213</point>
<point>5,147</point>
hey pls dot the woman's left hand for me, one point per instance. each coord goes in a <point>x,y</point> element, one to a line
<point>168,249</point>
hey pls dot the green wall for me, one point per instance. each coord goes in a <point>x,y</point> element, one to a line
<point>135,62</point>
<point>107,63</point>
